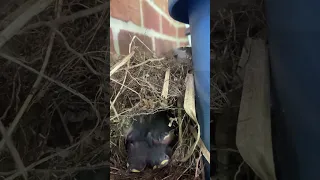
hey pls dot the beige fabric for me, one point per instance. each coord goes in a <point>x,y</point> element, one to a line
<point>254,122</point>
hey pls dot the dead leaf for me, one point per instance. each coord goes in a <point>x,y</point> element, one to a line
<point>189,98</point>
<point>190,108</point>
<point>165,88</point>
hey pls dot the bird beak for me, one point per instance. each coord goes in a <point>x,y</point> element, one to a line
<point>167,138</point>
<point>135,171</point>
<point>164,162</point>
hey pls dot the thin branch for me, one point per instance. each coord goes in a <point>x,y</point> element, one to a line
<point>9,142</point>
<point>4,115</point>
<point>31,166</point>
<point>145,62</point>
<point>12,16</point>
<point>33,90</point>
<point>17,24</point>
<point>238,171</point>
<point>69,48</point>
<point>115,111</point>
<point>15,154</point>
<point>64,123</point>
<point>64,19</point>
<point>132,40</point>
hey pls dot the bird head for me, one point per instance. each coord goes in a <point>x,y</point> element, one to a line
<point>158,157</point>
<point>137,156</point>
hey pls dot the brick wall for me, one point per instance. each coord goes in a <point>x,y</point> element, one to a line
<point>147,19</point>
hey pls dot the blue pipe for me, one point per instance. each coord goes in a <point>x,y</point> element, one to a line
<point>196,13</point>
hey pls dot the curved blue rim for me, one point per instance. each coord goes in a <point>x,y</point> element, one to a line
<point>178,10</point>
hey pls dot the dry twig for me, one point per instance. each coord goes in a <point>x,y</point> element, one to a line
<point>17,24</point>
<point>64,123</point>
<point>65,87</point>
<point>64,19</point>
<point>33,91</point>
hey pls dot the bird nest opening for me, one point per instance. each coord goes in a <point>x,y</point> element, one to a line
<point>141,84</point>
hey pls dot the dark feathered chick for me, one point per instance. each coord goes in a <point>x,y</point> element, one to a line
<point>152,128</point>
<point>158,130</point>
<point>147,141</point>
<point>137,132</point>
<point>159,156</point>
<point>137,155</point>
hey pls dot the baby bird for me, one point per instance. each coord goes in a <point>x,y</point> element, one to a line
<point>159,156</point>
<point>137,156</point>
<point>148,142</point>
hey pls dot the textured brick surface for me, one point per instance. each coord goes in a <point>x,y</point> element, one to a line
<point>111,49</point>
<point>166,11</point>
<point>162,4</point>
<point>126,10</point>
<point>163,46</point>
<point>124,39</point>
<point>151,18</point>
<point>129,10</point>
<point>168,28</point>
<point>181,32</point>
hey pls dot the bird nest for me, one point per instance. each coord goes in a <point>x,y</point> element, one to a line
<point>138,88</point>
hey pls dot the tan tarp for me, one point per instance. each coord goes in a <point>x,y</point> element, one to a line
<point>254,121</point>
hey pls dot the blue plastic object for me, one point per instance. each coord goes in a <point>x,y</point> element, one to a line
<point>196,13</point>
<point>294,35</point>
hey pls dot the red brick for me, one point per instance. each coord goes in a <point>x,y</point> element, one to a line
<point>168,28</point>
<point>124,39</point>
<point>166,11</point>
<point>162,4</point>
<point>163,46</point>
<point>181,32</point>
<point>151,18</point>
<point>126,10</point>
<point>111,42</point>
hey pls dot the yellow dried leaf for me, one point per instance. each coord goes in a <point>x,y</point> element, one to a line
<point>189,98</point>
<point>190,108</point>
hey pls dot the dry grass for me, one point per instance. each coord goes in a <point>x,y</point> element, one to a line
<point>136,89</point>
<point>228,33</point>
